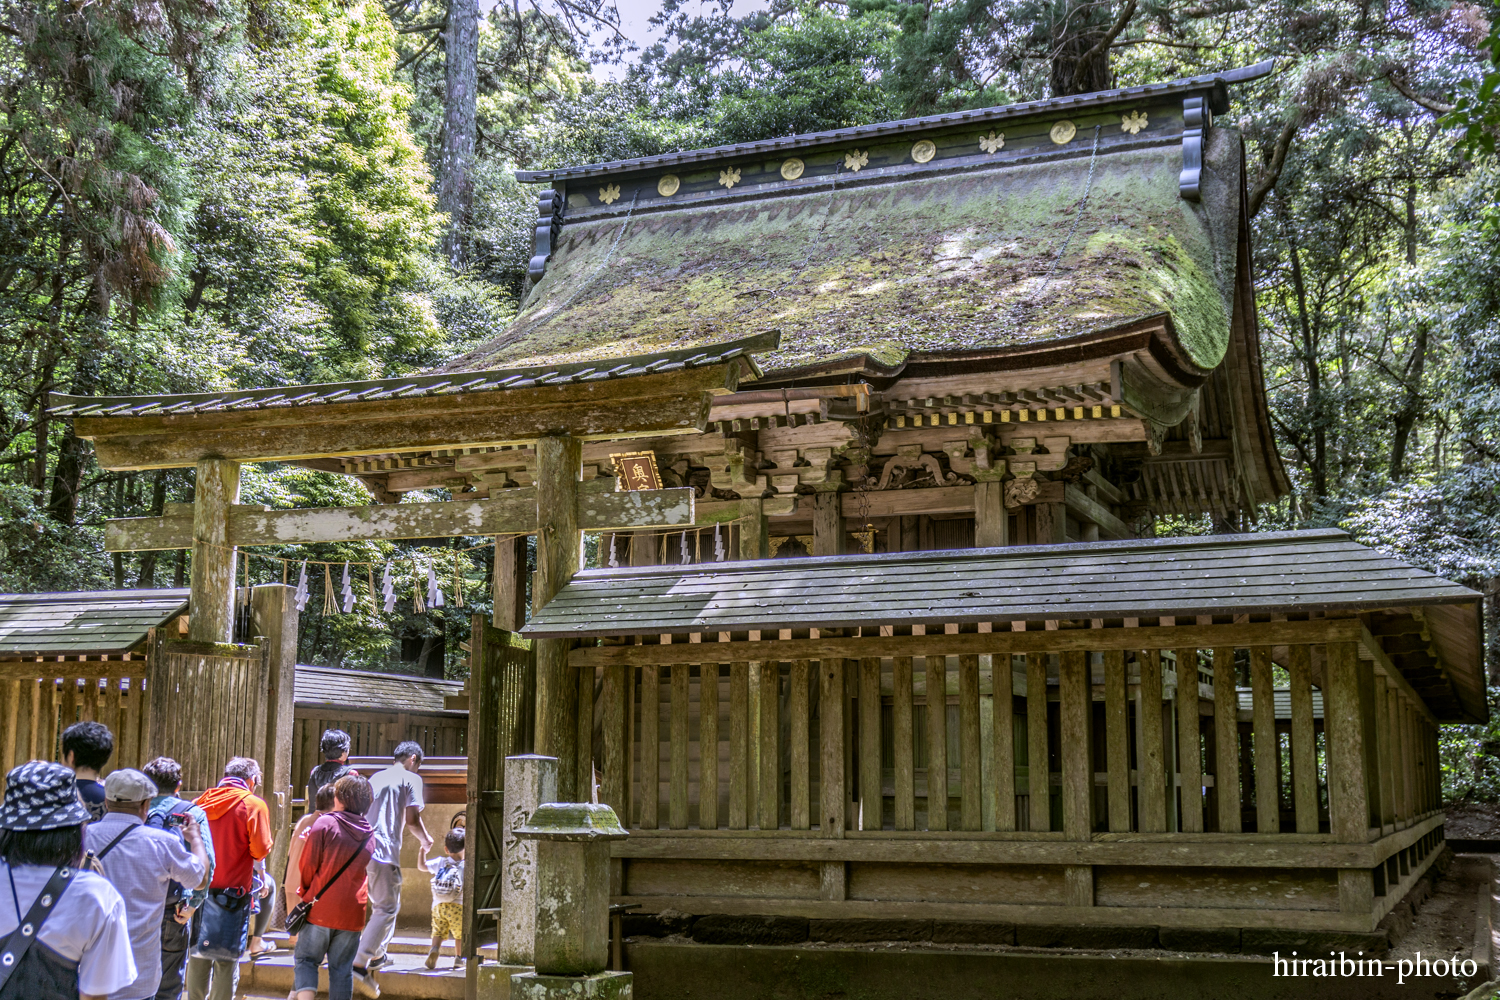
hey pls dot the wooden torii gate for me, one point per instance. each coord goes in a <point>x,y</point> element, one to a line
<point>553,409</point>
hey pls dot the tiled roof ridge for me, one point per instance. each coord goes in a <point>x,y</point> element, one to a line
<point>1216,82</point>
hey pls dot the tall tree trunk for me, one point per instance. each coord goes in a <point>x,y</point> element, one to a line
<point>455,182</point>
<point>1314,375</point>
<point>67,474</point>
<point>1416,363</point>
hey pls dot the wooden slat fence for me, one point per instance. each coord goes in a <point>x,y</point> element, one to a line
<point>38,700</point>
<point>722,735</point>
<point>209,703</point>
<point>373,734</point>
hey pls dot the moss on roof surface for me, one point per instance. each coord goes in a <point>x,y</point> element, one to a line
<point>959,261</point>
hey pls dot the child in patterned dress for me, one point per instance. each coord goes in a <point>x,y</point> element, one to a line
<point>448,897</point>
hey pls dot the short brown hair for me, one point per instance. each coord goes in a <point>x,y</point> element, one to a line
<point>354,792</point>
<point>323,799</point>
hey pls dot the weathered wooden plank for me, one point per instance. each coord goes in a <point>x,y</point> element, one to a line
<point>506,512</point>
<point>898,503</point>
<point>10,722</point>
<point>1004,748</point>
<point>1226,741</point>
<point>937,742</point>
<point>798,714</point>
<point>754,531</point>
<point>1199,636</point>
<point>1116,741</point>
<point>1151,764</point>
<point>769,780</point>
<point>1038,774</point>
<point>739,745</point>
<point>1304,748</point>
<point>677,797</point>
<point>832,733</point>
<point>1075,705</point>
<point>611,409</point>
<point>1384,761</point>
<point>728,511</point>
<point>584,680</point>
<point>615,706</point>
<point>971,771</point>
<point>1161,850</point>
<point>1408,760</point>
<point>828,525</point>
<point>1348,799</point>
<point>1189,742</point>
<point>708,746</point>
<point>903,742</point>
<point>871,802</point>
<point>1267,768</point>
<point>650,746</point>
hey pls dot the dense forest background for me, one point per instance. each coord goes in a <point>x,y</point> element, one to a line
<point>198,194</point>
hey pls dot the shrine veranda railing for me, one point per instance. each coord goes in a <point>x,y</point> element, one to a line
<point>824,749</point>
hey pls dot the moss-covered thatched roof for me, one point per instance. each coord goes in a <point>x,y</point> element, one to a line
<point>897,264</point>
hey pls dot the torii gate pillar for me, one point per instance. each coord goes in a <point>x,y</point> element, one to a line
<point>211,611</point>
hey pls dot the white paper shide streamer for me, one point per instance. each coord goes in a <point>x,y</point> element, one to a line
<point>300,595</point>
<point>434,592</point>
<point>347,592</point>
<point>388,588</point>
<point>718,545</point>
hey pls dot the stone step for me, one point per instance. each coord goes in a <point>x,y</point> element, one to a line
<point>405,977</point>
<point>406,941</point>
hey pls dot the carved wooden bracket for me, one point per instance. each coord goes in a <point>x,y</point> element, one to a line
<point>1196,118</point>
<point>549,221</point>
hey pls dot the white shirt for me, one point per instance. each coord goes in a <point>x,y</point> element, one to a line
<point>87,925</point>
<point>140,866</point>
<point>438,866</point>
<point>395,788</point>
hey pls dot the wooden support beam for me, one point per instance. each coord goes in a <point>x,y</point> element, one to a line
<point>1085,508</point>
<point>1077,725</point>
<point>991,522</point>
<point>1226,740</point>
<point>1151,767</point>
<point>832,704</point>
<point>559,552</point>
<point>1117,741</point>
<point>1004,750</point>
<point>1189,742</point>
<point>211,609</point>
<point>1348,796</point>
<point>937,742</point>
<point>1051,524</point>
<point>1038,770</point>
<point>828,525</point>
<point>1263,711</point>
<point>1156,637</point>
<point>608,409</point>
<point>755,533</point>
<point>506,512</point>
<point>1304,748</point>
<point>275,621</point>
<point>508,592</point>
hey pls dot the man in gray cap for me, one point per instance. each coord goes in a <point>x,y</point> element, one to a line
<point>80,945</point>
<point>141,861</point>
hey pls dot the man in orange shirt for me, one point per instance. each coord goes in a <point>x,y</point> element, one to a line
<point>241,828</point>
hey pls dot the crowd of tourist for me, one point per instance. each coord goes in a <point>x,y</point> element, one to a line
<point>116,887</point>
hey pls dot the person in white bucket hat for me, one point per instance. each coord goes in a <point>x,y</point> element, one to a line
<point>63,932</point>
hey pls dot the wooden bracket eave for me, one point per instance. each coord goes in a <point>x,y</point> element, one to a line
<point>680,406</point>
<point>506,512</point>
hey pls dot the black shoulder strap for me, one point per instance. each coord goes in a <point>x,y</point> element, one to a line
<point>343,868</point>
<point>111,845</point>
<point>19,943</point>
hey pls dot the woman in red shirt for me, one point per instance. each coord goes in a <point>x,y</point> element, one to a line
<point>338,915</point>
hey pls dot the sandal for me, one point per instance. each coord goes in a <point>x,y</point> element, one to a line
<point>270,947</point>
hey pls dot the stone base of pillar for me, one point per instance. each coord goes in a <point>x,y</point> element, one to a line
<point>600,986</point>
<point>493,980</point>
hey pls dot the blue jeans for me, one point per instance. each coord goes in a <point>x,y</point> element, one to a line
<point>339,946</point>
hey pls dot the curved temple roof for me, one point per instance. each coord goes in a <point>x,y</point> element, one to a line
<point>994,230</point>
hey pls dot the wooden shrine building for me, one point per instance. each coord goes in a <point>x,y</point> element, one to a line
<point>965,363</point>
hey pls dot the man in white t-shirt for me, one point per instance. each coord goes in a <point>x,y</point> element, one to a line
<point>141,862</point>
<point>397,805</point>
<point>82,949</point>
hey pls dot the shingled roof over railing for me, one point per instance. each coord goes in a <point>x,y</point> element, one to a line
<point>410,387</point>
<point>1293,572</point>
<point>93,623</point>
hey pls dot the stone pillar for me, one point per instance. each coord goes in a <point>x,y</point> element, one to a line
<point>530,780</point>
<point>572,919</point>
